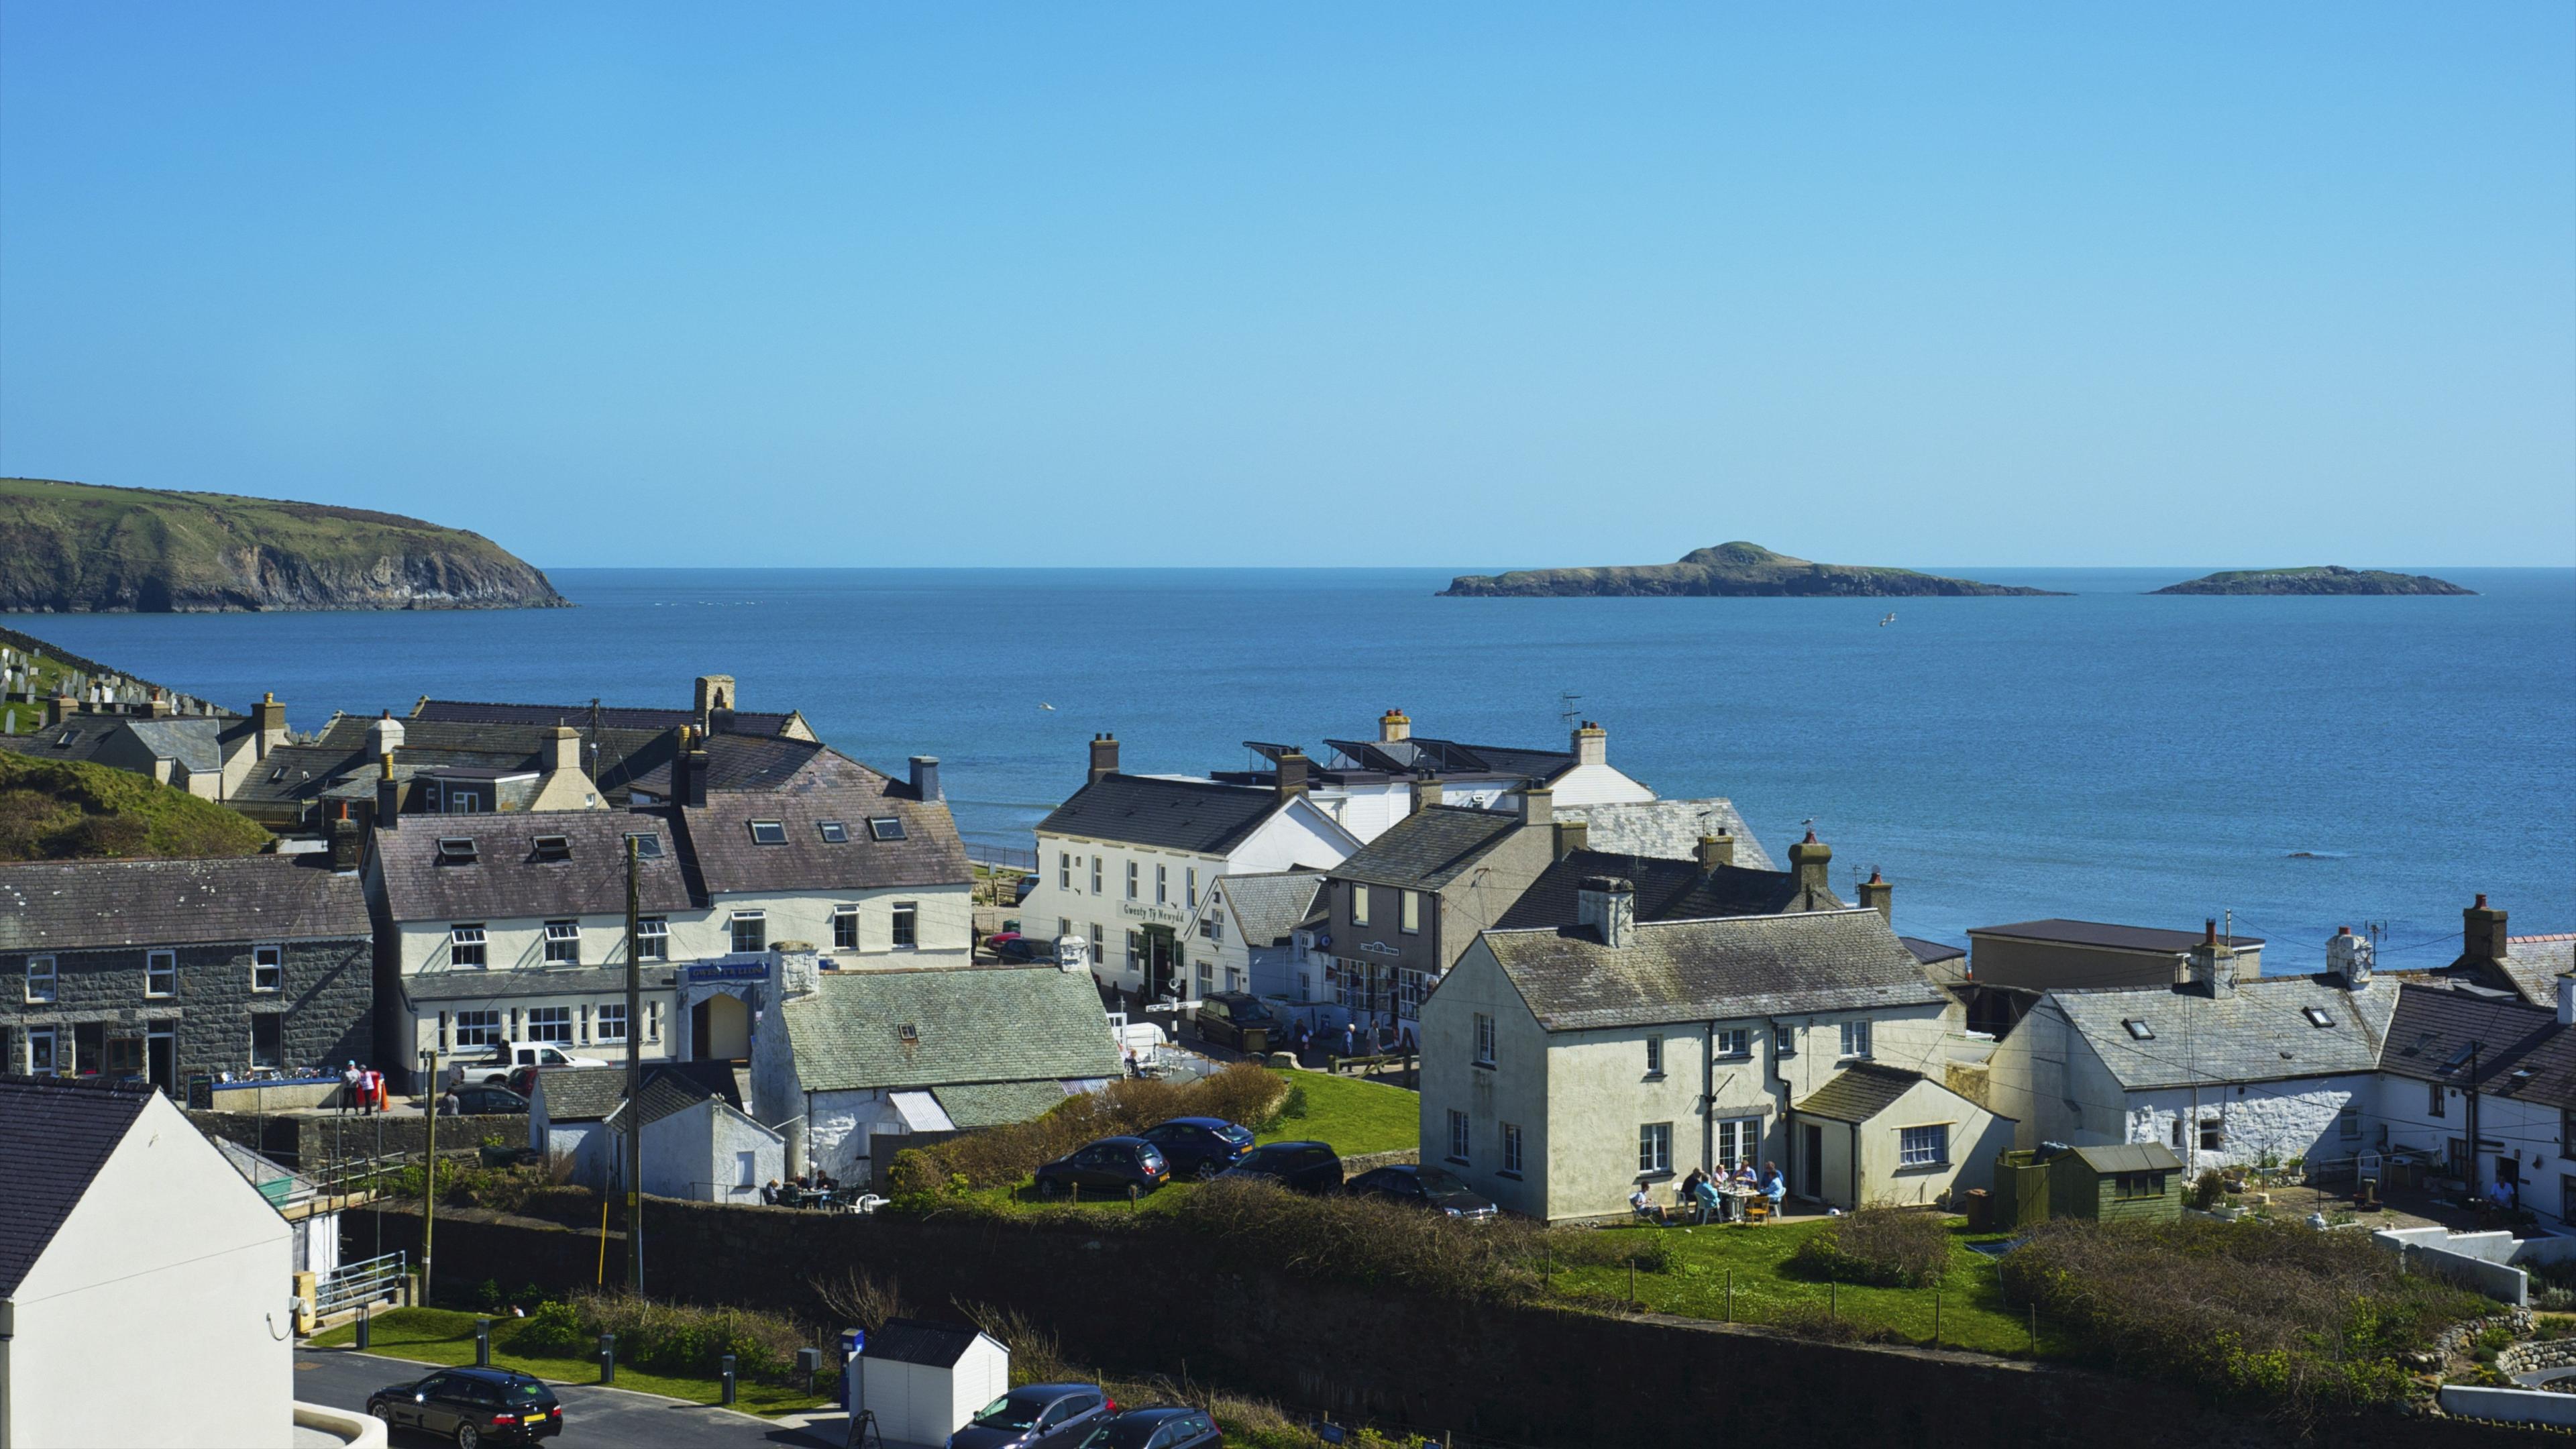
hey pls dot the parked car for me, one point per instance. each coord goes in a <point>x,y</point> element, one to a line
<point>1200,1147</point>
<point>1429,1187</point>
<point>1239,1020</point>
<point>474,1100</point>
<point>495,1065</point>
<point>472,1405</point>
<point>1298,1166</point>
<point>1012,946</point>
<point>1111,1165</point>
<point>1157,1428</point>
<point>1036,1416</point>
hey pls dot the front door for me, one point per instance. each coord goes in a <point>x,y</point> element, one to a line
<point>1811,1162</point>
<point>1162,963</point>
<point>720,1029</point>
<point>161,1061</point>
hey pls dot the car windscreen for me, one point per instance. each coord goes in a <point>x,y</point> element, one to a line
<point>1239,1136</point>
<point>1122,1434</point>
<point>1018,1409</point>
<point>526,1393</point>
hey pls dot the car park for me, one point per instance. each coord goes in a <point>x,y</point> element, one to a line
<point>476,1100</point>
<point>1168,1427</point>
<point>1108,1167</point>
<point>472,1406</point>
<point>1239,1019</point>
<point>1427,1187</point>
<point>1037,1416</point>
<point>1311,1167</point>
<point>1200,1147</point>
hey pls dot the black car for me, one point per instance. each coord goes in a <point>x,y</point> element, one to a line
<point>472,1405</point>
<point>1025,948</point>
<point>1163,1428</point>
<point>1239,1020</point>
<point>1200,1147</point>
<point>1036,1416</point>
<point>1429,1187</point>
<point>491,1101</point>
<point>1106,1168</point>
<point>1299,1166</point>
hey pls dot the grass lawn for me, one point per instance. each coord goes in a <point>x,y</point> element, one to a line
<point>1357,1117</point>
<point>446,1336</point>
<point>1973,1314</point>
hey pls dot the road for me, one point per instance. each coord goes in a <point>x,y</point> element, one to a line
<point>593,1416</point>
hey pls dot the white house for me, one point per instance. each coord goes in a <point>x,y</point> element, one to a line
<point>1563,1067</point>
<point>571,1111</point>
<point>1246,936</point>
<point>1367,786</point>
<point>2487,1088</point>
<point>121,1226</point>
<point>698,1146</point>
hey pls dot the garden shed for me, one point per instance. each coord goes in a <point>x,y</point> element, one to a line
<point>924,1380</point>
<point>2130,1182</point>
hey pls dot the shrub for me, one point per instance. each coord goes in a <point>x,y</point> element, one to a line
<point>1000,1156</point>
<point>1886,1246</point>
<point>668,1337</point>
<point>2205,1193</point>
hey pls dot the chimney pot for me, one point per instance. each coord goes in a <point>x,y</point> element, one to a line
<point>1393,726</point>
<point>2482,933</point>
<point>1812,860</point>
<point>1878,895</point>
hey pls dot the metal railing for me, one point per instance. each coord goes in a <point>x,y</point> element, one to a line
<point>361,1282</point>
<point>1010,857</point>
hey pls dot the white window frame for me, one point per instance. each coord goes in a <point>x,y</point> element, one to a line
<point>1461,1135</point>
<point>44,981</point>
<point>1784,1040</point>
<point>543,1021</point>
<point>52,1042</point>
<point>1408,913</point>
<point>1654,1149</point>
<point>1484,1040</point>
<point>845,928</point>
<point>1207,976</point>
<point>1095,876</point>
<point>1064,870</point>
<point>1654,1056</point>
<point>1925,1146</point>
<point>906,926</point>
<point>268,963</point>
<point>462,937</point>
<point>563,943</point>
<point>757,921</point>
<point>1359,904</point>
<point>1162,884</point>
<point>608,1022</point>
<point>478,1028</point>
<point>160,975</point>
<point>652,938</point>
<point>1190,885</point>
<point>1739,1141</point>
<point>1133,870</point>
<point>1511,1149</point>
<point>1855,1041</point>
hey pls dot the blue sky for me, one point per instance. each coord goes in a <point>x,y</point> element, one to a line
<point>1459,285</point>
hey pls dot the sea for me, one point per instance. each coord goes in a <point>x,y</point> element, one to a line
<point>2283,765</point>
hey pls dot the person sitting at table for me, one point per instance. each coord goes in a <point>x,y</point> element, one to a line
<point>1774,1186</point>
<point>1705,1197</point>
<point>1646,1207</point>
<point>769,1194</point>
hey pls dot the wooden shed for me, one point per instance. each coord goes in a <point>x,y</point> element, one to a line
<point>924,1380</point>
<point>2135,1182</point>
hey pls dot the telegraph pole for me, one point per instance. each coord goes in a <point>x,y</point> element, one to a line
<point>634,1081</point>
<point>429,1176</point>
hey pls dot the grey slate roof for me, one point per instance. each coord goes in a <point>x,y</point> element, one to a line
<point>295,772</point>
<point>91,904</point>
<point>195,741</point>
<point>1270,905</point>
<point>619,753</point>
<point>667,1092</point>
<point>990,1104</point>
<point>581,1094</point>
<point>55,1134</point>
<point>1667,828</point>
<point>1687,971</point>
<point>1430,847</point>
<point>2132,1157</point>
<point>1859,1092</point>
<point>1200,816</point>
<point>2523,1052</point>
<point>192,742</point>
<point>2105,935</point>
<point>972,1024</point>
<point>1666,890</point>
<point>756,762</point>
<point>2533,964</point>
<point>465,985</point>
<point>728,859</point>
<point>913,1340</point>
<point>2258,1032</point>
<point>619,717</point>
<point>507,881</point>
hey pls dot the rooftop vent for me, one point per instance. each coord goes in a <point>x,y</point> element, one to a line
<point>2139,1029</point>
<point>554,847</point>
<point>456,850</point>
<point>834,832</point>
<point>885,827</point>
<point>647,847</point>
<point>768,832</point>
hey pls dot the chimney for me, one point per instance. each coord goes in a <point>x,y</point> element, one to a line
<point>1810,858</point>
<point>1104,757</point>
<point>1292,774</point>
<point>2212,964</point>
<point>563,749</point>
<point>1393,727</point>
<point>344,843</point>
<point>925,778</point>
<point>1591,744</point>
<point>1607,905</point>
<point>268,717</point>
<point>1538,806</point>
<point>1571,836</point>
<point>2349,957</point>
<point>1878,895</point>
<point>796,969</point>
<point>160,706</point>
<point>385,735</point>
<point>714,692</point>
<point>1714,851</point>
<point>689,771</point>
<point>1426,793</point>
<point>2482,937</point>
<point>2567,1000</point>
<point>388,795</point>
<point>61,707</point>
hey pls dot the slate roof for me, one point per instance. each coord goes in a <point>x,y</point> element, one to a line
<point>296,772</point>
<point>2104,935</point>
<point>1429,848</point>
<point>1199,816</point>
<point>2257,1032</point>
<point>971,1024</point>
<point>1703,970</point>
<point>193,742</point>
<point>2532,966</point>
<point>754,762</point>
<point>618,755</point>
<point>2523,1052</point>
<point>1859,1092</point>
<point>2132,1157</point>
<point>77,738</point>
<point>616,717</point>
<point>913,1340</point>
<point>468,984</point>
<point>667,1092</point>
<point>1667,890</point>
<point>507,881</point>
<point>1669,829</point>
<point>990,1104</point>
<point>581,1094</point>
<point>1930,952</point>
<point>95,904</point>
<point>729,860</point>
<point>1270,905</point>
<point>1425,756</point>
<point>55,1134</point>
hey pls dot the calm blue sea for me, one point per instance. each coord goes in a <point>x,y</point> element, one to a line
<point>2304,762</point>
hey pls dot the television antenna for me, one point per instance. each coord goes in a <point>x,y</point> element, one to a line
<point>1565,707</point>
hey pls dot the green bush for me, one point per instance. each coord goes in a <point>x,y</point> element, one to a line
<point>2205,1193</point>
<point>1000,1156</point>
<point>1886,1246</point>
<point>667,1337</point>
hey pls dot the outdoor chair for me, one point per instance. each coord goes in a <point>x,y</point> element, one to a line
<point>1757,1210</point>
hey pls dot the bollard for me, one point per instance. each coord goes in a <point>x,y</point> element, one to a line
<point>727,1400</point>
<point>809,1362</point>
<point>1936,1318</point>
<point>482,1343</point>
<point>362,1328</point>
<point>608,1358</point>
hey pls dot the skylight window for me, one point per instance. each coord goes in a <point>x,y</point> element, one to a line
<point>456,850</point>
<point>554,847</point>
<point>2316,1016</point>
<point>2459,1058</point>
<point>2139,1029</point>
<point>834,831</point>
<point>647,847</point>
<point>909,1034</point>
<point>885,827</point>
<point>768,832</point>
<point>67,737</point>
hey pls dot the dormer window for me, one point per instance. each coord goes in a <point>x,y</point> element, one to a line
<point>834,832</point>
<point>456,850</point>
<point>2316,1016</point>
<point>2139,1029</point>
<point>768,832</point>
<point>647,847</point>
<point>554,847</point>
<point>885,827</point>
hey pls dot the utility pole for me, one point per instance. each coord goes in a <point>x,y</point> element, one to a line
<point>634,1081</point>
<point>429,1176</point>
<point>2470,1167</point>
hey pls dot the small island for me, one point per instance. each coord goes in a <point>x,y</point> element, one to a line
<point>2321,579</point>
<point>84,548</point>
<point>1730,570</point>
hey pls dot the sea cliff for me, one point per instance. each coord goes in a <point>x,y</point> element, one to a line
<point>1745,570</point>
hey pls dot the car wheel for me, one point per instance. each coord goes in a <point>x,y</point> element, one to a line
<point>1050,1187</point>
<point>1207,1170</point>
<point>382,1411</point>
<point>468,1437</point>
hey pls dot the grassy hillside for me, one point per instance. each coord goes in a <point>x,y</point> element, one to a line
<point>80,547</point>
<point>72,810</point>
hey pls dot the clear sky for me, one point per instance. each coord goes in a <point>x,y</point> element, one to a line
<point>1476,284</point>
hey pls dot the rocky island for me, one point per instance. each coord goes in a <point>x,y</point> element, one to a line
<point>82,548</point>
<point>2322,579</point>
<point>1730,570</point>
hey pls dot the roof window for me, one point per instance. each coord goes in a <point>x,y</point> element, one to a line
<point>66,737</point>
<point>2316,1016</point>
<point>647,847</point>
<point>2460,1058</point>
<point>768,832</point>
<point>834,831</point>
<point>456,850</point>
<point>885,827</point>
<point>2139,1029</point>
<point>554,847</point>
<point>908,1034</point>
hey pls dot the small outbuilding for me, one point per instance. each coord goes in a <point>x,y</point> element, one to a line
<point>924,1380</point>
<point>2129,1182</point>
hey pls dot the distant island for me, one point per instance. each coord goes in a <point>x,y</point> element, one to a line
<point>2322,579</point>
<point>82,548</point>
<point>1730,570</point>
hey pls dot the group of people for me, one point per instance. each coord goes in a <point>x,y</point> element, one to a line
<point>799,1190</point>
<point>362,1089</point>
<point>1351,1039</point>
<point>1709,1196</point>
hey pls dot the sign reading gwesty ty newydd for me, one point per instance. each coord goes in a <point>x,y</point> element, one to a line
<point>1153,915</point>
<point>729,971</point>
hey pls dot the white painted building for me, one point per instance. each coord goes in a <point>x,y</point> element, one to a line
<point>2486,1088</point>
<point>924,1380</point>
<point>1257,933</point>
<point>698,1146</point>
<point>124,1232</point>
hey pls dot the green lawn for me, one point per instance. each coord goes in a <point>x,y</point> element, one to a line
<point>445,1336</point>
<point>1972,1310</point>
<point>1356,1117</point>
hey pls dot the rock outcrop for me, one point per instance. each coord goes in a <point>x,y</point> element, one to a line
<point>2322,579</point>
<point>1744,570</point>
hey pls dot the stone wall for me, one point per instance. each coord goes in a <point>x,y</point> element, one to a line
<point>326,1000</point>
<point>312,1142</point>
<point>1143,1303</point>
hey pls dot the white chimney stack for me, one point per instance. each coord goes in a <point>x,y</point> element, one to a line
<point>2350,957</point>
<point>1608,905</point>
